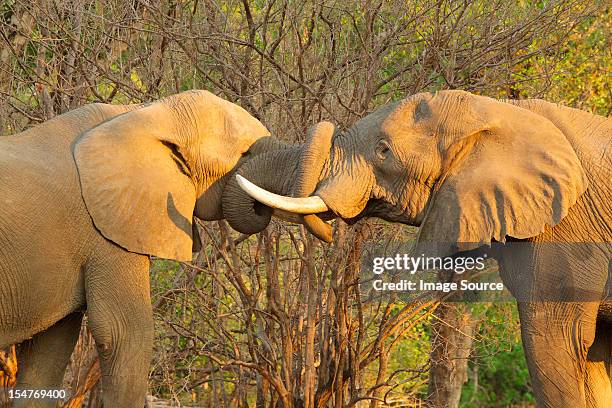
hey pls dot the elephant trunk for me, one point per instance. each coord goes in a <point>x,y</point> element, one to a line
<point>274,171</point>
<point>316,152</point>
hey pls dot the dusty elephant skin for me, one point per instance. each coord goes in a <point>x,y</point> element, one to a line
<point>85,198</point>
<point>470,171</point>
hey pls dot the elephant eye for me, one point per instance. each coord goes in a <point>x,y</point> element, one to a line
<point>383,149</point>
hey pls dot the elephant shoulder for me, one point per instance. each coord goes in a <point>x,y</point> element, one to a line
<point>571,121</point>
<point>39,159</point>
<point>67,127</point>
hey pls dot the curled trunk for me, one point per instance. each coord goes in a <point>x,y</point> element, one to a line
<point>316,152</point>
<point>274,171</point>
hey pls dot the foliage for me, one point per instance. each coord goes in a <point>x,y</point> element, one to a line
<point>577,73</point>
<point>498,375</point>
<point>278,318</point>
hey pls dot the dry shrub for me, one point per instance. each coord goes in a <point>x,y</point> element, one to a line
<point>277,319</point>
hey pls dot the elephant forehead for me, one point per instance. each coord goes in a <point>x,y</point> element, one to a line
<point>407,118</point>
<point>216,118</point>
<point>241,125</point>
<point>426,112</point>
<point>373,123</point>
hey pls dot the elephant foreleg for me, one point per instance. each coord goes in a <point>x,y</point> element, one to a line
<point>598,382</point>
<point>556,338</point>
<point>43,359</point>
<point>121,321</point>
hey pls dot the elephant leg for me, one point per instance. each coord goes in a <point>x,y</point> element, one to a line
<point>121,322</point>
<point>598,382</point>
<point>556,338</point>
<point>44,357</point>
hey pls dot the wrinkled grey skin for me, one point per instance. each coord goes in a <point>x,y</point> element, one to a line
<point>84,199</point>
<point>471,170</point>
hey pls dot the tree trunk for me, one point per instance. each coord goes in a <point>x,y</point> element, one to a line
<point>451,343</point>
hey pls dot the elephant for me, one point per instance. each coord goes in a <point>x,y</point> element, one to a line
<point>88,197</point>
<point>527,180</point>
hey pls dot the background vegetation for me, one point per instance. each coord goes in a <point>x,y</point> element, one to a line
<point>279,319</point>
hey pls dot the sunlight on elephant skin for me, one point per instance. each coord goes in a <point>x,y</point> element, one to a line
<point>530,177</point>
<point>87,197</point>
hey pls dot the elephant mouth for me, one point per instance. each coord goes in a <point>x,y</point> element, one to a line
<point>378,209</point>
<point>354,220</point>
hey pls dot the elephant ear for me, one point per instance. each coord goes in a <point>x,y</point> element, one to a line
<point>136,185</point>
<point>515,174</point>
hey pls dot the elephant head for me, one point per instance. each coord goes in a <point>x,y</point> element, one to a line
<point>466,168</point>
<point>145,174</point>
<point>295,170</point>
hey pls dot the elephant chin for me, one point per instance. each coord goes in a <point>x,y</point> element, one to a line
<point>272,171</point>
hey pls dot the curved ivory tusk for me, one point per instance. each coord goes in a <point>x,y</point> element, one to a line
<point>306,205</point>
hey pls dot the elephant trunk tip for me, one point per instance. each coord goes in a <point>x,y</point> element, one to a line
<point>319,228</point>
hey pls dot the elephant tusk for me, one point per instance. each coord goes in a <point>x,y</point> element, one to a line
<point>305,205</point>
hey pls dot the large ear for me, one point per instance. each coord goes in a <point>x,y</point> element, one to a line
<point>515,173</point>
<point>135,182</point>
